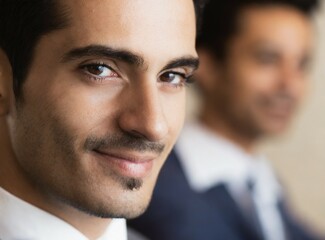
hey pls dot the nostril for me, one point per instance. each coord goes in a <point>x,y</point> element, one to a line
<point>137,134</point>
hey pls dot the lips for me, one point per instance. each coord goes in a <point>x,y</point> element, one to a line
<point>133,165</point>
<point>281,111</point>
<point>280,106</point>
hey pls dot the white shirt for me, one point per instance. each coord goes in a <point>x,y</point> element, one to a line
<point>20,220</point>
<point>209,160</point>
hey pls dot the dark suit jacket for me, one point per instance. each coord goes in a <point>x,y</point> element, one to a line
<point>177,212</point>
<point>134,235</point>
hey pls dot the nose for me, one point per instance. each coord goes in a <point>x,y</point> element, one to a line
<point>143,113</point>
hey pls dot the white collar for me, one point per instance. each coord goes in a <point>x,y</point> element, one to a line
<point>21,220</point>
<point>209,160</point>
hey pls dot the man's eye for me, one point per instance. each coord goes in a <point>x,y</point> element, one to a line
<point>177,79</point>
<point>99,71</point>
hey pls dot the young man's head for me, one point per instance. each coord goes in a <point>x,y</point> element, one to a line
<point>254,60</point>
<point>91,99</point>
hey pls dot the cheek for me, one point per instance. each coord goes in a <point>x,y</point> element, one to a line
<point>254,78</point>
<point>174,111</point>
<point>84,109</point>
<point>33,138</point>
<point>302,89</point>
<point>254,84</point>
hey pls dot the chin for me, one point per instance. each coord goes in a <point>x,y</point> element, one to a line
<point>129,210</point>
<point>127,205</point>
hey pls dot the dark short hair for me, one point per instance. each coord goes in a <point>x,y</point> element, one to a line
<point>24,22</point>
<point>220,21</point>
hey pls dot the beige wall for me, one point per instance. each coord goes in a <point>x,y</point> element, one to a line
<point>299,156</point>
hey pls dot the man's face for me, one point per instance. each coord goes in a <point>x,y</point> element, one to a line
<point>263,77</point>
<point>103,103</point>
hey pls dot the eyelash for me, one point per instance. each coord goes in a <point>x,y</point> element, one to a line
<point>92,76</point>
<point>185,83</point>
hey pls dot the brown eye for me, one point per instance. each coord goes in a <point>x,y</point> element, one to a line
<point>173,78</point>
<point>96,70</point>
<point>100,70</point>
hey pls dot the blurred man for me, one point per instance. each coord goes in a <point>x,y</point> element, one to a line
<point>91,102</point>
<point>255,56</point>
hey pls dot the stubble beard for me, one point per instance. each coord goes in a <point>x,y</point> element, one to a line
<point>129,187</point>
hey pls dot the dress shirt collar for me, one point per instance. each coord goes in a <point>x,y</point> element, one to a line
<point>209,159</point>
<point>21,220</point>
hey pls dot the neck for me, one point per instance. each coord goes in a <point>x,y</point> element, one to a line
<point>14,180</point>
<point>219,125</point>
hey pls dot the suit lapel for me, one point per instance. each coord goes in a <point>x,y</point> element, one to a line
<point>220,198</point>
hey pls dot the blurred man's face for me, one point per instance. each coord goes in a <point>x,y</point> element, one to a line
<point>263,77</point>
<point>103,103</point>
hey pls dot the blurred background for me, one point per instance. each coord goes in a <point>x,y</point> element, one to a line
<point>299,155</point>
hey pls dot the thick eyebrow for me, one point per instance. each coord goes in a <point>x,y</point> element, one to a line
<point>105,52</point>
<point>125,56</point>
<point>190,62</point>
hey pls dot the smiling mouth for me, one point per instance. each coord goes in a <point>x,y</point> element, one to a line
<point>130,165</point>
<point>283,111</point>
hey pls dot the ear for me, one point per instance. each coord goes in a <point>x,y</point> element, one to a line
<point>6,81</point>
<point>208,74</point>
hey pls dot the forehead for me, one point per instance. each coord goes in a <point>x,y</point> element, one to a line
<point>280,25</point>
<point>143,26</point>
